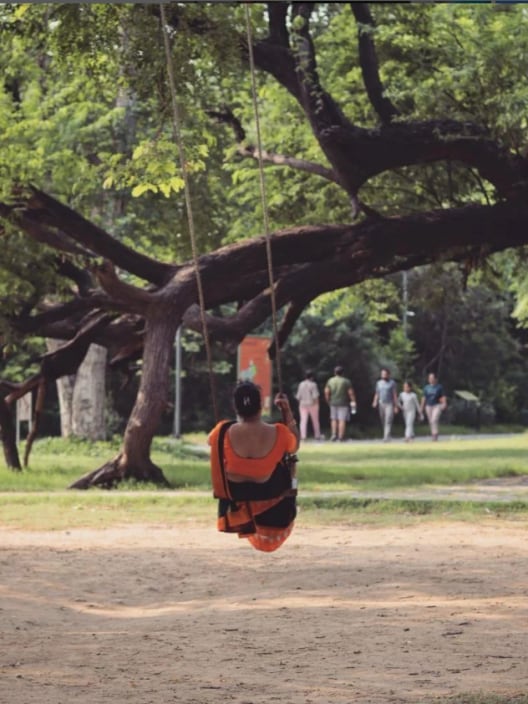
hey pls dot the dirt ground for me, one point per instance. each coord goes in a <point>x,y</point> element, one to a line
<point>150,615</point>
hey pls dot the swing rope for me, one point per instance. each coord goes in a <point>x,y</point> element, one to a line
<point>264,201</point>
<point>176,124</point>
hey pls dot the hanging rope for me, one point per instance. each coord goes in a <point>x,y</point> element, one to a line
<point>188,203</point>
<point>264,201</point>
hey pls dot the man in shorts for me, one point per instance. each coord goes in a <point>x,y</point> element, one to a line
<point>340,396</point>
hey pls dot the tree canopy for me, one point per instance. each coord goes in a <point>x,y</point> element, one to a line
<point>392,136</point>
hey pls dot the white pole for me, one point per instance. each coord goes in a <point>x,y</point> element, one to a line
<point>177,384</point>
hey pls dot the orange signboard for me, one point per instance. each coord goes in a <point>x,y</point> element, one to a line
<point>254,365</point>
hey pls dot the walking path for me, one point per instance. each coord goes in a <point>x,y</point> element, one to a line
<point>421,438</point>
<point>505,490</point>
<point>501,490</point>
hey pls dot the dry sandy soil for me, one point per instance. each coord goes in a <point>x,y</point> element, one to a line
<point>150,615</point>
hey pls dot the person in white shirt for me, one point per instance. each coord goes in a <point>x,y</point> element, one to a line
<point>308,397</point>
<point>408,402</point>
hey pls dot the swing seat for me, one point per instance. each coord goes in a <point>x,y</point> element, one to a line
<point>263,513</point>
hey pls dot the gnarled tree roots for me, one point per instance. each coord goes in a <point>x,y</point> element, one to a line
<point>119,469</point>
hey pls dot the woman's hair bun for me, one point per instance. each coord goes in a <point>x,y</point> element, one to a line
<point>247,399</point>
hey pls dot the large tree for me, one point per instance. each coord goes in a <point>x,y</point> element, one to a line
<point>404,133</point>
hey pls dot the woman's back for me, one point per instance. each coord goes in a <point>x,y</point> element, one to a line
<point>252,440</point>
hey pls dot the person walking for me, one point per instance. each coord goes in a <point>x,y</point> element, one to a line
<point>408,402</point>
<point>434,401</point>
<point>340,396</point>
<point>308,397</point>
<point>386,401</point>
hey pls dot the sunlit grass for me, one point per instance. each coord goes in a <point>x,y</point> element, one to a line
<point>101,509</point>
<point>37,498</point>
<point>354,466</point>
<point>56,463</point>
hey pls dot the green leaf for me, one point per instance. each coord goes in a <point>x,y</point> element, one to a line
<point>142,188</point>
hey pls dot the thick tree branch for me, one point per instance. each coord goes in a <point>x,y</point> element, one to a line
<point>39,232</point>
<point>355,153</point>
<point>307,260</point>
<point>278,32</point>
<point>311,261</point>
<point>136,299</point>
<point>358,154</point>
<point>278,61</point>
<point>68,315</point>
<point>320,108</point>
<point>81,277</point>
<point>51,212</point>
<point>368,61</point>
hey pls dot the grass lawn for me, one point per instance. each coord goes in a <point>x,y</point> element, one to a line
<point>38,498</point>
<point>55,463</point>
<point>357,466</point>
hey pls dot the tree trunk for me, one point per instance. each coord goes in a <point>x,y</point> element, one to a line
<point>89,393</point>
<point>82,396</point>
<point>9,437</point>
<point>133,462</point>
<point>65,386</point>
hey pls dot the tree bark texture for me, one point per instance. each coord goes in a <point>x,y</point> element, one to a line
<point>8,433</point>
<point>89,396</point>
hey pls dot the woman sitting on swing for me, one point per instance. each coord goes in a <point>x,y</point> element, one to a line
<point>253,467</point>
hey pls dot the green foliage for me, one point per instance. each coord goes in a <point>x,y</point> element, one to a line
<point>466,335</point>
<point>513,269</point>
<point>22,360</point>
<point>95,111</point>
<point>24,279</point>
<point>401,350</point>
<point>443,60</point>
<point>374,300</point>
<point>463,332</point>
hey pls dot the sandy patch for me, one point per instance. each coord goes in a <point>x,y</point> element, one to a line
<point>142,615</point>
